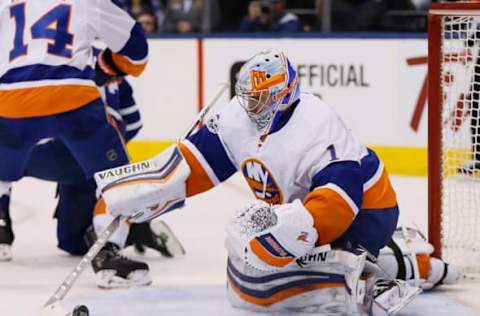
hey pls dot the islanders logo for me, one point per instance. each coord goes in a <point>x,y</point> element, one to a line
<point>261,181</point>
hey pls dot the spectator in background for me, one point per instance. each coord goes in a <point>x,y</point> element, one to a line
<point>284,21</point>
<point>185,16</point>
<point>154,8</point>
<point>255,21</point>
<point>147,20</point>
<point>232,14</point>
<point>367,15</point>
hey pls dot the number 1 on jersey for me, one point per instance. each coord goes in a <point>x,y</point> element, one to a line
<point>17,12</point>
<point>333,152</point>
<point>52,26</point>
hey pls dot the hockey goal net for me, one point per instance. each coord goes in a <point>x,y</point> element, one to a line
<point>454,132</point>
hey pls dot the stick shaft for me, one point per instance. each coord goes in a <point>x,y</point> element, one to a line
<point>203,113</point>
<point>67,284</point>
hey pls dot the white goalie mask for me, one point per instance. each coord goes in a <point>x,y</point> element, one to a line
<point>267,84</point>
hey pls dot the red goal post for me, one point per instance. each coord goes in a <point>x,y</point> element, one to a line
<point>453,193</point>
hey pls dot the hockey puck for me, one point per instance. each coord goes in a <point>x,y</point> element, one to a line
<point>80,310</point>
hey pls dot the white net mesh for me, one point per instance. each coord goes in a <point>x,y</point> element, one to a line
<point>460,141</point>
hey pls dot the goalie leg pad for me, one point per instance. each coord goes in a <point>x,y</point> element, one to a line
<point>399,258</point>
<point>323,281</point>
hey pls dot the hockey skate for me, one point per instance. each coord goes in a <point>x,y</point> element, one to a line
<point>115,271</point>
<point>390,296</point>
<point>155,235</point>
<point>6,238</point>
<point>470,168</point>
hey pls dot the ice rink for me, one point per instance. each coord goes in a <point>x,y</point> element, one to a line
<point>189,285</point>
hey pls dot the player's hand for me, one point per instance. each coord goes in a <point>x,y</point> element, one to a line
<point>106,70</point>
<point>272,237</point>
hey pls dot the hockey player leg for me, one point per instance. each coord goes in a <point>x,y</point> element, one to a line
<point>6,232</point>
<point>407,257</point>
<point>113,270</point>
<point>155,235</point>
<point>74,215</point>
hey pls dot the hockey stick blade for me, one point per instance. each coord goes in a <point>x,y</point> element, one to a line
<point>55,309</point>
<point>67,284</point>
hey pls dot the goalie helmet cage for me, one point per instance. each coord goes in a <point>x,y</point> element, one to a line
<point>453,184</point>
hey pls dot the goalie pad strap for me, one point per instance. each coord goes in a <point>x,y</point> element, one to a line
<point>445,272</point>
<point>402,270</point>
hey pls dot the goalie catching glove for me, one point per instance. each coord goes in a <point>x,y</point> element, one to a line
<point>147,189</point>
<point>270,237</point>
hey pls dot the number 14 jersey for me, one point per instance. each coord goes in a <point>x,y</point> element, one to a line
<point>46,63</point>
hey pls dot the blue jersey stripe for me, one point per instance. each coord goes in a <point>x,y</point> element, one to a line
<point>125,95</point>
<point>46,72</point>
<point>276,276</point>
<point>212,149</point>
<point>263,241</point>
<point>345,174</point>
<point>328,278</point>
<point>136,47</point>
<point>370,165</point>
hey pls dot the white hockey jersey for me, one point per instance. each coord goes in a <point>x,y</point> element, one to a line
<point>46,64</point>
<point>312,157</point>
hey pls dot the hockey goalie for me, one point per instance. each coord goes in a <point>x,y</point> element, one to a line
<point>318,237</point>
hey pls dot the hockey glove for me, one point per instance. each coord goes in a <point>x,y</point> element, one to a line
<point>106,70</point>
<point>147,189</point>
<point>268,237</point>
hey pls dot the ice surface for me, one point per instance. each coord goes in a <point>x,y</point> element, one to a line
<point>189,285</point>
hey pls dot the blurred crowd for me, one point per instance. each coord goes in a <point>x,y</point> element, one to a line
<point>185,16</point>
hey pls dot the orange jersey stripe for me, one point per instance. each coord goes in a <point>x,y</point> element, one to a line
<point>380,195</point>
<point>198,181</point>
<point>125,65</point>
<point>43,101</point>
<point>332,215</point>
<point>282,295</point>
<point>268,257</point>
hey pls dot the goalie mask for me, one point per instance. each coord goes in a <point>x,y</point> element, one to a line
<point>267,84</point>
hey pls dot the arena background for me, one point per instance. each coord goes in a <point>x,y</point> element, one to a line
<point>375,82</point>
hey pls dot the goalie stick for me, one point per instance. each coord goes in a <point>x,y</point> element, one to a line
<point>53,307</point>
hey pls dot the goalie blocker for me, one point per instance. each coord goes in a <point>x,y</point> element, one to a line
<point>147,189</point>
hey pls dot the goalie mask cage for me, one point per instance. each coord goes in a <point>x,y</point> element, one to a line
<point>453,131</point>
